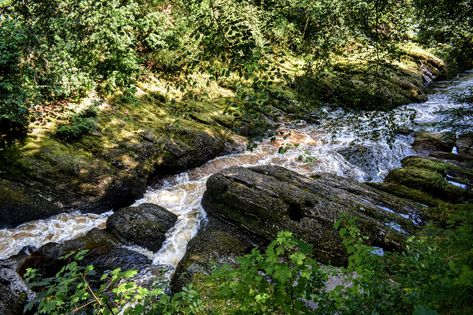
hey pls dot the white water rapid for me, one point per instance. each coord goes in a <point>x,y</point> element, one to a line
<point>361,145</point>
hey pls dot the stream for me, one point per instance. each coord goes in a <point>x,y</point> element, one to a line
<point>363,146</point>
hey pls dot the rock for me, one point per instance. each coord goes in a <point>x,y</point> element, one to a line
<point>216,242</point>
<point>438,178</point>
<point>265,200</point>
<point>19,204</point>
<point>14,294</point>
<point>191,148</point>
<point>427,142</point>
<point>116,257</point>
<point>464,144</point>
<point>145,225</point>
<point>105,253</point>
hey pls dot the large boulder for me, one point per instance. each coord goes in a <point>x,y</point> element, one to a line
<point>145,225</point>
<point>264,200</point>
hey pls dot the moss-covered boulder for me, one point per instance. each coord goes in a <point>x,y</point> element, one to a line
<point>267,199</point>
<point>439,179</point>
<point>145,225</point>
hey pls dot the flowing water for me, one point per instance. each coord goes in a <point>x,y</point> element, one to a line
<point>363,146</point>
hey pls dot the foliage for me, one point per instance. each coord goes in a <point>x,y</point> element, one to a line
<point>64,48</point>
<point>78,289</point>
<point>282,280</point>
<point>13,96</point>
<point>448,23</point>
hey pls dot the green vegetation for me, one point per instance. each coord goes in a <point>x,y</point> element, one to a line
<point>351,52</point>
<point>432,275</point>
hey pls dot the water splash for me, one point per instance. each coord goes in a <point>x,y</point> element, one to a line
<point>58,228</point>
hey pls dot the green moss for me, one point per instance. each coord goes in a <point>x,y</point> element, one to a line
<point>427,180</point>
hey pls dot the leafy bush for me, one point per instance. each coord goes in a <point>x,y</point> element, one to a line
<point>449,24</point>
<point>13,95</point>
<point>78,289</point>
<point>282,280</point>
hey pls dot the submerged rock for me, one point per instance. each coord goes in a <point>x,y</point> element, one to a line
<point>264,200</point>
<point>145,225</point>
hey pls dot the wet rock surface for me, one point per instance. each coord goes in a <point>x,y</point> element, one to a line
<point>464,144</point>
<point>216,243</point>
<point>145,225</point>
<point>14,294</point>
<point>105,252</point>
<point>264,200</point>
<point>428,142</point>
<point>18,203</point>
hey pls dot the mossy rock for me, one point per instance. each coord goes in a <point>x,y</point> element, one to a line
<point>440,179</point>
<point>215,243</point>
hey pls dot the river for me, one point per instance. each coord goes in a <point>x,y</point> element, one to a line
<point>362,145</point>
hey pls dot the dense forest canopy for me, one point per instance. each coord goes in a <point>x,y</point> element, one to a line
<point>58,49</point>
